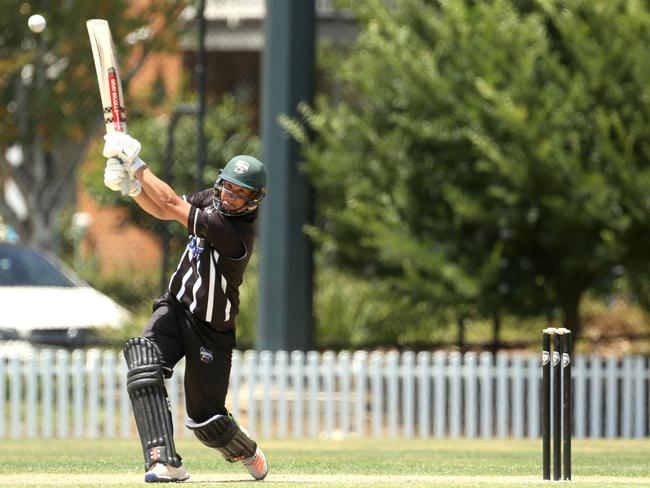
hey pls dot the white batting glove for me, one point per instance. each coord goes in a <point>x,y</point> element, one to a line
<point>114,174</point>
<point>125,148</point>
<point>117,179</point>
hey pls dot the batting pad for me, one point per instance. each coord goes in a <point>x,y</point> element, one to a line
<point>146,387</point>
<point>222,432</point>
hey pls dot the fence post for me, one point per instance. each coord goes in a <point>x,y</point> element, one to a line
<point>502,395</point>
<point>517,397</point>
<point>92,358</point>
<point>344,374</point>
<point>313,382</point>
<point>266,370</point>
<point>487,418</point>
<point>424,395</point>
<point>611,386</point>
<point>360,365</point>
<point>15,393</point>
<point>250,358</point>
<point>408,381</point>
<point>78,392</point>
<point>595,403</point>
<point>281,376</point>
<point>109,393</point>
<point>455,394</point>
<point>392,378</point>
<point>376,388</point>
<point>627,398</point>
<point>439,394</point>
<point>533,365</point>
<point>62,377</point>
<point>46,378</point>
<point>234,385</point>
<point>32,394</point>
<point>471,395</point>
<point>125,402</point>
<point>640,413</point>
<point>329,392</point>
<point>297,383</point>
<point>579,372</point>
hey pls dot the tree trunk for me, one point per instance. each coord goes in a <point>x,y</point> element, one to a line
<point>571,313</point>
<point>461,333</point>
<point>496,331</point>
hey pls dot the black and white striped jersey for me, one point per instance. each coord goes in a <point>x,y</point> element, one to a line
<point>211,269</point>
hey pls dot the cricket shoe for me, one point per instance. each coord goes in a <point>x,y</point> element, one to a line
<point>256,465</point>
<point>165,473</point>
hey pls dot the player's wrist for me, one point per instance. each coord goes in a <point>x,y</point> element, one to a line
<point>137,165</point>
<point>135,189</point>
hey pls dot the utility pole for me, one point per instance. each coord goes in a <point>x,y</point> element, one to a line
<point>285,308</point>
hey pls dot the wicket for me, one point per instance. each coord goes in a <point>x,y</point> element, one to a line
<point>556,368</point>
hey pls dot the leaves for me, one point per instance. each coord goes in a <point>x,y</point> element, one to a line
<point>490,155</point>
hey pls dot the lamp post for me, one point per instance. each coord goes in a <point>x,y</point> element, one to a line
<point>200,88</point>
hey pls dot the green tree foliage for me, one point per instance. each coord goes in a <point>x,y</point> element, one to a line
<point>49,99</point>
<point>488,157</point>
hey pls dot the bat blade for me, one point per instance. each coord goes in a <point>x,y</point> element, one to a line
<point>108,75</point>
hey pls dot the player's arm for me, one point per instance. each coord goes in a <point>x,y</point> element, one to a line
<point>148,205</point>
<point>159,199</point>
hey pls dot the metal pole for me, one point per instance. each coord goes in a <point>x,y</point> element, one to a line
<point>286,263</point>
<point>200,88</point>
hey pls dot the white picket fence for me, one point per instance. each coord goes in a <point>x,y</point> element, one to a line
<point>332,395</point>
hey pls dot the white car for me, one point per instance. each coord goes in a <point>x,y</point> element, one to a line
<point>44,303</point>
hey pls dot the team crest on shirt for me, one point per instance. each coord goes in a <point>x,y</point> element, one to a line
<point>205,355</point>
<point>241,167</point>
<point>196,247</point>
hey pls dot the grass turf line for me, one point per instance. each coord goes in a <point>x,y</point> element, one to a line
<point>354,462</point>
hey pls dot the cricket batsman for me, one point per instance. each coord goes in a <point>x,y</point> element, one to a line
<point>196,317</point>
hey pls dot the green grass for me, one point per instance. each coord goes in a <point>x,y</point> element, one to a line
<point>307,463</point>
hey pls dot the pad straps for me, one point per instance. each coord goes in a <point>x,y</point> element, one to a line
<point>223,433</point>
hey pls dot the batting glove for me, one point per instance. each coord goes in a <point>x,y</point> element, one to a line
<point>117,179</point>
<point>125,148</point>
<point>114,174</point>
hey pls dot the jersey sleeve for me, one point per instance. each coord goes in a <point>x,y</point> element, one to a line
<point>217,230</point>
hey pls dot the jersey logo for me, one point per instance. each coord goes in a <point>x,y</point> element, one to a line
<point>241,167</point>
<point>205,355</point>
<point>196,247</point>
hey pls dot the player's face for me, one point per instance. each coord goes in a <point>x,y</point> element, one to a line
<point>234,197</point>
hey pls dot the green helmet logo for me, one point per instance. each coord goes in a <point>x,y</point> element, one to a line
<point>247,172</point>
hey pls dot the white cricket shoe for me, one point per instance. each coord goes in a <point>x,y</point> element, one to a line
<point>165,473</point>
<point>256,465</point>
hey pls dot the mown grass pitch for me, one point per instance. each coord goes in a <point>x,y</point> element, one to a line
<point>311,463</point>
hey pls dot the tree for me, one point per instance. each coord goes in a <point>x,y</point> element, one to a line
<point>488,157</point>
<point>49,102</point>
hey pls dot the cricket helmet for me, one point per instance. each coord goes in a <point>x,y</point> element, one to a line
<point>247,172</point>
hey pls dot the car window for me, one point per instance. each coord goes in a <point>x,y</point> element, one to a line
<point>21,266</point>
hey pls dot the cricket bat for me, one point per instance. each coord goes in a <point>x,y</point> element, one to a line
<point>108,75</point>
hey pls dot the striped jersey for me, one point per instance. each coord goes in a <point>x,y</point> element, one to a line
<point>211,269</point>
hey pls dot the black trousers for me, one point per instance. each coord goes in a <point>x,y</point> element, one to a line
<point>176,333</point>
